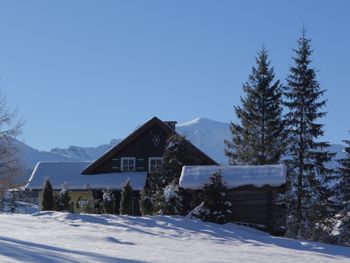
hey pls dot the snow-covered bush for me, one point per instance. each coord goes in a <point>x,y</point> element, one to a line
<point>158,200</point>
<point>146,204</point>
<point>64,199</point>
<point>216,208</point>
<point>341,228</point>
<point>171,200</point>
<point>107,202</point>
<point>87,205</point>
<point>8,203</point>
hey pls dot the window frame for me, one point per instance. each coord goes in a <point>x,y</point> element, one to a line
<point>127,158</point>
<point>149,163</point>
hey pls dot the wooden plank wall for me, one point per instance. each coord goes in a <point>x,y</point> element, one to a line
<point>249,206</point>
<point>252,205</point>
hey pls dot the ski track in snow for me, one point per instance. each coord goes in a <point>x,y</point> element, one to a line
<point>73,238</point>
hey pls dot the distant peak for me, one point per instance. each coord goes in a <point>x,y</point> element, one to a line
<point>196,121</point>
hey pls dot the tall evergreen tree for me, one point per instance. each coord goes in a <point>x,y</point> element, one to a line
<point>258,138</point>
<point>47,200</point>
<point>344,182</point>
<point>307,173</point>
<point>177,153</point>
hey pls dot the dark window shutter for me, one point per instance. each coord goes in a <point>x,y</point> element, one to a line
<point>140,164</point>
<point>116,164</point>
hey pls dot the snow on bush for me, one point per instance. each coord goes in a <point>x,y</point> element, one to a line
<point>170,192</point>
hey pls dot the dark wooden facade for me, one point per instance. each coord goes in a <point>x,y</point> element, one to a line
<point>253,206</point>
<point>147,141</point>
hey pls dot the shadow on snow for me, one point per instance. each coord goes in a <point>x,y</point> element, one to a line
<point>25,251</point>
<point>177,227</point>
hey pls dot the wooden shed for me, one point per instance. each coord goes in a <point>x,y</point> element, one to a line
<point>252,190</point>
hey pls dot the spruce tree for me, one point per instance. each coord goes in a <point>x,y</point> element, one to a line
<point>344,182</point>
<point>307,173</point>
<point>215,207</point>
<point>47,199</point>
<point>64,198</point>
<point>258,137</point>
<point>341,221</point>
<point>126,206</point>
<point>146,204</point>
<point>177,153</point>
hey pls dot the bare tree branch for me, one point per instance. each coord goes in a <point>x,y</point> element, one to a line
<point>10,128</point>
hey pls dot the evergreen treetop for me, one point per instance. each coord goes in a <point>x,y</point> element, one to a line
<point>259,136</point>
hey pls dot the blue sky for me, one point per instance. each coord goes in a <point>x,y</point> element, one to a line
<point>84,72</point>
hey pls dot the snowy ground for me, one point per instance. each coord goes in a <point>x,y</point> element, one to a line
<point>73,238</point>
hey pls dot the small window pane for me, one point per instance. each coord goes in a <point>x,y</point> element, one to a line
<point>155,164</point>
<point>128,164</point>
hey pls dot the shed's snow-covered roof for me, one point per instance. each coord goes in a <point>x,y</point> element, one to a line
<point>70,173</point>
<point>194,177</point>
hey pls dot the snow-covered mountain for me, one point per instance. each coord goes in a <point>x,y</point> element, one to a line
<point>78,153</point>
<point>31,156</point>
<point>208,135</point>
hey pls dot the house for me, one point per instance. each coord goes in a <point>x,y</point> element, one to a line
<point>81,187</point>
<point>252,190</point>
<point>134,158</point>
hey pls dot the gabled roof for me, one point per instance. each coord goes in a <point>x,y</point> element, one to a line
<point>134,135</point>
<point>70,173</point>
<point>195,177</point>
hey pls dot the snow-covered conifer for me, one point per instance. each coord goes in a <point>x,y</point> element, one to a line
<point>344,172</point>
<point>258,138</point>
<point>177,154</point>
<point>146,204</point>
<point>64,198</point>
<point>307,174</point>
<point>216,208</point>
<point>107,202</point>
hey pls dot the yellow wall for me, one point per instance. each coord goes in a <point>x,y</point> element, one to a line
<point>75,196</point>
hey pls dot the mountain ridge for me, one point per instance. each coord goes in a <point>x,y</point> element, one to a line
<point>208,135</point>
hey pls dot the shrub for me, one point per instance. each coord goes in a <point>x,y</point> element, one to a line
<point>47,201</point>
<point>126,206</point>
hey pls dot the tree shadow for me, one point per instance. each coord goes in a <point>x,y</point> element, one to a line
<point>177,227</point>
<point>25,251</point>
<point>231,232</point>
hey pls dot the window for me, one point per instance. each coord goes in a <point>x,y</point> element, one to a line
<point>154,164</point>
<point>128,164</point>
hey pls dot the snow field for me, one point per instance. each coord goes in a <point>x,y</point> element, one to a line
<point>63,237</point>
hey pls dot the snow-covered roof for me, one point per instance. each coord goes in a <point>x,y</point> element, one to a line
<point>70,173</point>
<point>194,177</point>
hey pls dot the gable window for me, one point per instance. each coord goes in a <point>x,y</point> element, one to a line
<point>127,164</point>
<point>154,164</point>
